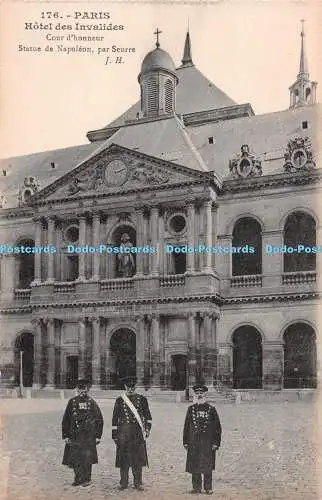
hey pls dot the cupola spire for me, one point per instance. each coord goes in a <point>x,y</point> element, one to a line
<point>303,90</point>
<point>304,71</point>
<point>187,57</point>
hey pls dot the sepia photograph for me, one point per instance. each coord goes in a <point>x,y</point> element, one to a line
<point>160,241</point>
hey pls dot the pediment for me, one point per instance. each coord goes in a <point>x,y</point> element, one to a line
<point>117,170</point>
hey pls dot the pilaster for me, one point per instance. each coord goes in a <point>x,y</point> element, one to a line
<point>96,355</point>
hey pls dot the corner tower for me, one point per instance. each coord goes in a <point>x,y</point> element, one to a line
<point>303,90</point>
<point>158,81</point>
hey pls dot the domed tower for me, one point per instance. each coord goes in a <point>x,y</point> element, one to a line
<point>158,82</point>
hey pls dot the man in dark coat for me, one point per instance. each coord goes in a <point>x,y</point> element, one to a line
<point>82,428</point>
<point>131,424</point>
<point>201,439</point>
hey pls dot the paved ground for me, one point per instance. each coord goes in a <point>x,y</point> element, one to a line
<point>268,453</point>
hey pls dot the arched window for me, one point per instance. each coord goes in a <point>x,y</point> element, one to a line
<point>168,87</point>
<point>247,232</point>
<point>25,265</point>
<point>297,96</point>
<point>299,229</point>
<point>308,95</point>
<point>72,267</point>
<point>152,95</point>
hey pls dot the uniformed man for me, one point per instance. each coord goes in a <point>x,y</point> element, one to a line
<point>82,428</point>
<point>201,439</point>
<point>131,424</point>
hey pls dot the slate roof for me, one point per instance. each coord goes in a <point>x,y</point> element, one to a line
<point>194,93</point>
<point>39,166</point>
<point>267,135</point>
<point>166,139</point>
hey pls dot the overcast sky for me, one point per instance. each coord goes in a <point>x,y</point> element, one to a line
<point>249,49</point>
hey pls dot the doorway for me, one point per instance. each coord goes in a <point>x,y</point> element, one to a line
<point>123,354</point>
<point>300,357</point>
<point>247,358</point>
<point>178,372</point>
<point>71,371</point>
<point>24,354</point>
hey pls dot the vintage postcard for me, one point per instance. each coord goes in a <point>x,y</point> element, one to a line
<point>160,244</point>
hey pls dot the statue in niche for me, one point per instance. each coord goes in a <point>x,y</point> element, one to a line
<point>125,259</point>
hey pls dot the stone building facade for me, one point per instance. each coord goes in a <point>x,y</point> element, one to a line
<point>185,168</point>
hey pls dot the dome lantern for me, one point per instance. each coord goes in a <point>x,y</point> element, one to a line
<point>158,82</point>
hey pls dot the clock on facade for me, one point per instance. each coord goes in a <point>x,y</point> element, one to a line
<point>116,173</point>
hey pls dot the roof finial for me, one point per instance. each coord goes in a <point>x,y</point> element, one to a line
<point>303,62</point>
<point>157,33</point>
<point>187,58</point>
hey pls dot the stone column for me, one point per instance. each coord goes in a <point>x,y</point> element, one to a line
<point>38,233</point>
<point>96,242</point>
<point>96,354</point>
<point>37,329</point>
<point>155,350</point>
<point>139,240</point>
<point>146,257</point>
<point>154,239</point>
<point>214,346</point>
<point>82,242</point>
<point>50,241</point>
<point>191,235</point>
<point>8,277</point>
<point>273,365</point>
<point>208,350</point>
<point>81,347</point>
<point>214,210</point>
<point>208,235</point>
<point>191,349</point>
<point>140,348</point>
<point>50,323</point>
<point>105,353</point>
<point>160,247</point>
<point>272,264</point>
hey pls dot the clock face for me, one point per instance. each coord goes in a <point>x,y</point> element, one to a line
<point>116,173</point>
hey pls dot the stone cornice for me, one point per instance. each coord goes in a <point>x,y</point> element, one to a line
<point>261,299</point>
<point>271,181</point>
<point>211,298</point>
<point>119,302</point>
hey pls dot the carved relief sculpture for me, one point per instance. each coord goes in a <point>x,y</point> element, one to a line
<point>3,201</point>
<point>245,164</point>
<point>30,186</point>
<point>116,172</point>
<point>299,155</point>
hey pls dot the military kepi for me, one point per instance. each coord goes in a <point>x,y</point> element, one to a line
<point>129,381</point>
<point>200,387</point>
<point>82,383</point>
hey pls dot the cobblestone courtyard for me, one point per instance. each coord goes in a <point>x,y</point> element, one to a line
<point>268,453</point>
